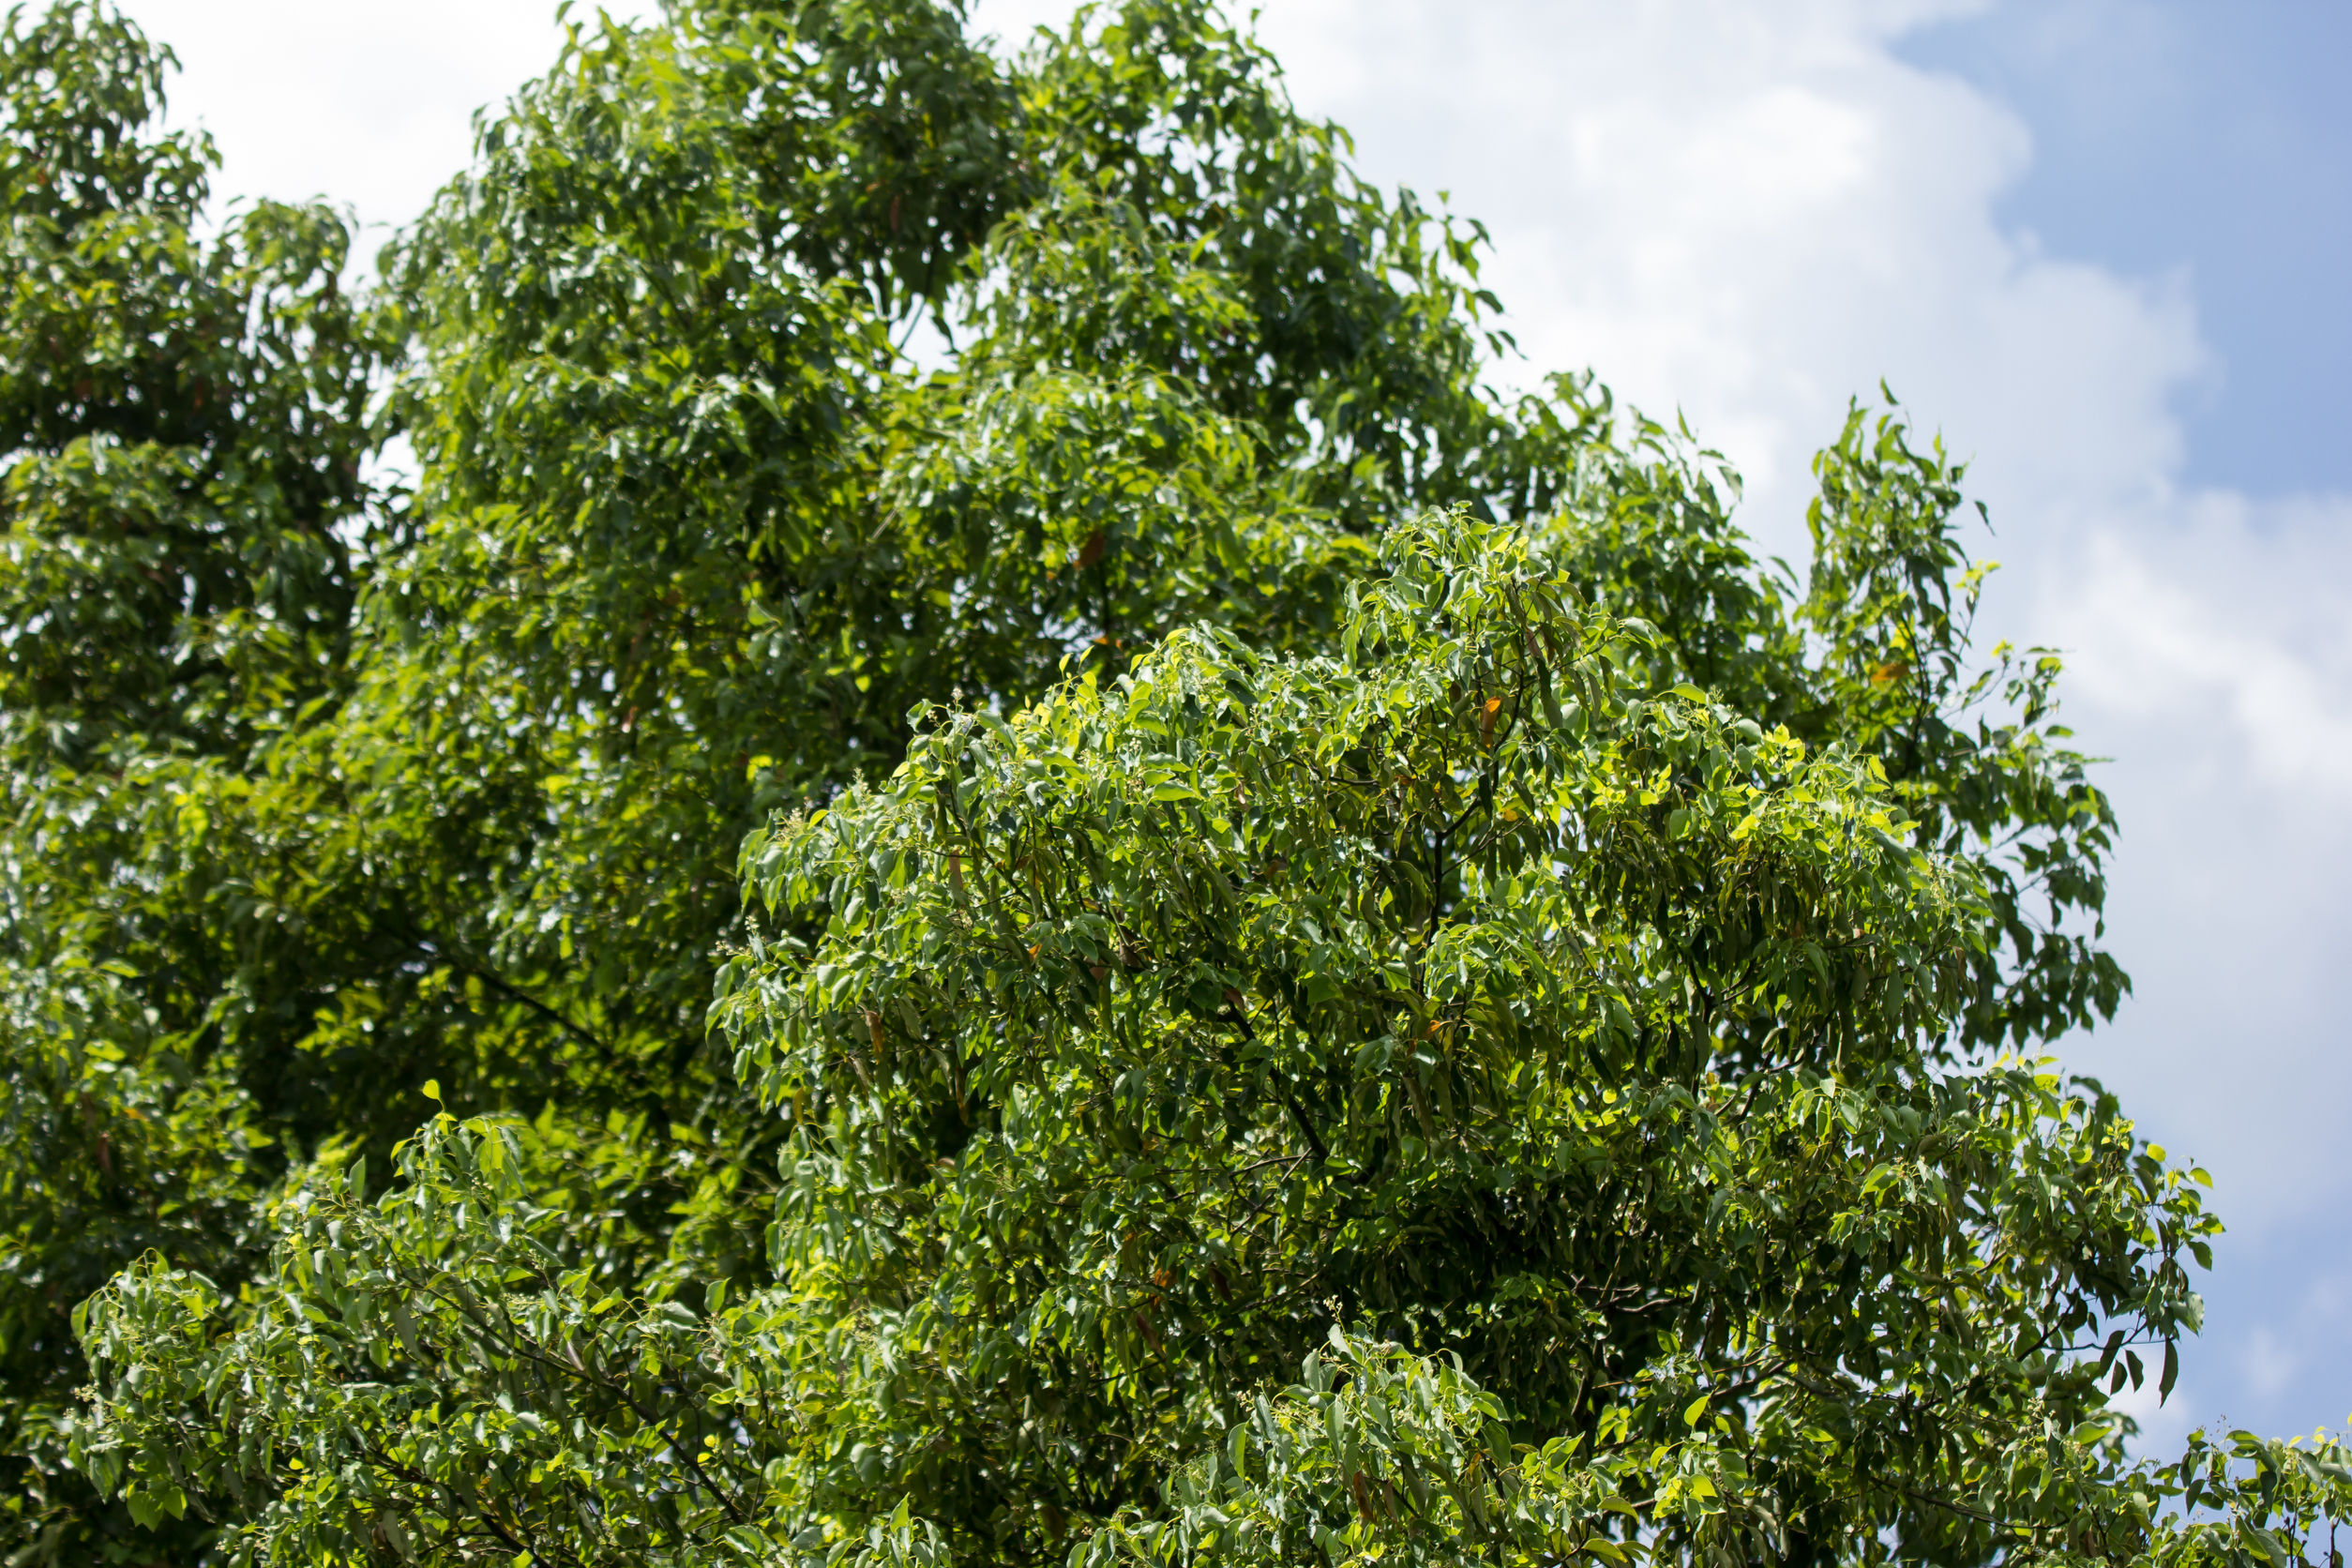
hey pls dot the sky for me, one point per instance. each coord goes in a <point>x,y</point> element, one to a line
<point>2101,245</point>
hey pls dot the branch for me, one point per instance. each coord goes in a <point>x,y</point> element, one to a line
<point>449,952</point>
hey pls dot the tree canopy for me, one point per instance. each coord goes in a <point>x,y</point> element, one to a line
<point>1167,930</point>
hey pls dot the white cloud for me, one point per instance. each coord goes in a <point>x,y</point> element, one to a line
<point>2188,624</point>
<point>364,104</point>
<point>1752,213</point>
<point>2164,1422</point>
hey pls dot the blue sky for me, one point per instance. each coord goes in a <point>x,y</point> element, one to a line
<point>2102,245</point>
<point>2211,138</point>
<point>2214,143</point>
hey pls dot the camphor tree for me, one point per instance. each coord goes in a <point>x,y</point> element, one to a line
<point>321,795</point>
<point>1187,937</point>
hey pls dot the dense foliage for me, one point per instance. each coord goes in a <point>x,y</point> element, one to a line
<point>1176,933</point>
<point>184,420</point>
